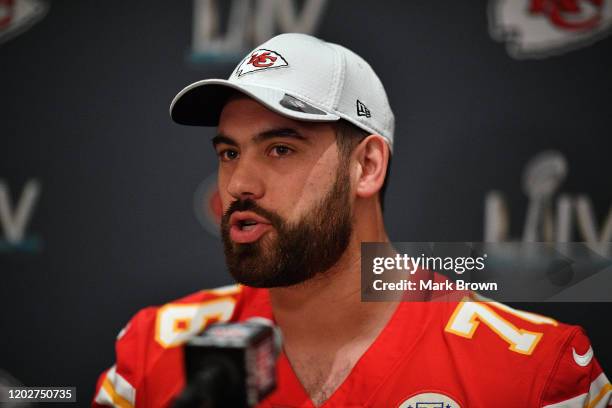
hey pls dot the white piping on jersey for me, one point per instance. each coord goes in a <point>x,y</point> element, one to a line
<point>599,396</point>
<point>116,391</point>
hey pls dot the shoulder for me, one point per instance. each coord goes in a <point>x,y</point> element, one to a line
<point>577,379</point>
<point>149,343</point>
<point>493,324</point>
<point>556,357</point>
<point>173,323</point>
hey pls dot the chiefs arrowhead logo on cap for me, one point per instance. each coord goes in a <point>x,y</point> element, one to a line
<point>260,59</point>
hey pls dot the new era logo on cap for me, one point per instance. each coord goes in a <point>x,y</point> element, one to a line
<point>362,110</point>
<point>259,60</point>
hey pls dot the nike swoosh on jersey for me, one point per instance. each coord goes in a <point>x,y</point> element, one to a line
<point>584,359</point>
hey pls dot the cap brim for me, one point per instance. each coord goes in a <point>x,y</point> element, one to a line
<point>201,103</point>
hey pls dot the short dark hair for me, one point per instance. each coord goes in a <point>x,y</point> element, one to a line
<point>348,136</point>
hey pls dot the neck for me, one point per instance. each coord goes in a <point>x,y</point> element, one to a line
<point>331,303</point>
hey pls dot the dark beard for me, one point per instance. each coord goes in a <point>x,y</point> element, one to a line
<point>298,252</point>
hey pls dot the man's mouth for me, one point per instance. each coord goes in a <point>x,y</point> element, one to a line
<point>246,224</point>
<point>247,227</point>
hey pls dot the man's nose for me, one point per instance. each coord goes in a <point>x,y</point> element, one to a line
<point>245,181</point>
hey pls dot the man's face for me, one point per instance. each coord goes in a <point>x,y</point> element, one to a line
<point>285,193</point>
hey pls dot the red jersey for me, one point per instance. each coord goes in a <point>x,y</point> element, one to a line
<point>429,355</point>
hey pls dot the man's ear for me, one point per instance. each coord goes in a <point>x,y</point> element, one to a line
<point>372,158</point>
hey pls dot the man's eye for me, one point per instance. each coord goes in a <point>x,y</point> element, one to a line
<point>228,155</point>
<point>281,150</point>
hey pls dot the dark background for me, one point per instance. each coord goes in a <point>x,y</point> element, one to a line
<point>84,98</point>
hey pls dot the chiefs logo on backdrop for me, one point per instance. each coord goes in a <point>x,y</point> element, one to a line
<point>540,28</point>
<point>259,60</point>
<point>207,205</point>
<point>16,16</point>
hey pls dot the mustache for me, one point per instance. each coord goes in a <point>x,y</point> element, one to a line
<point>250,205</point>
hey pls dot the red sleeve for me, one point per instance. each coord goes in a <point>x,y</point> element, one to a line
<point>577,379</point>
<point>117,385</point>
<point>149,368</point>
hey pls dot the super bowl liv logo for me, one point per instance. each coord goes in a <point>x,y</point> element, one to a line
<point>15,218</point>
<point>247,23</point>
<point>550,217</point>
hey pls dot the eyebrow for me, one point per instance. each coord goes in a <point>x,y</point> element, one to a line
<point>280,132</point>
<point>260,137</point>
<point>221,138</point>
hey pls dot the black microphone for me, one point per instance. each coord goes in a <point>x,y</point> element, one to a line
<point>230,365</point>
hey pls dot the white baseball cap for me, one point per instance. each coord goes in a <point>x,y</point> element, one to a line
<point>298,76</point>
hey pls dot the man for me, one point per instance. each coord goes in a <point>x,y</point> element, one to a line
<point>305,134</point>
